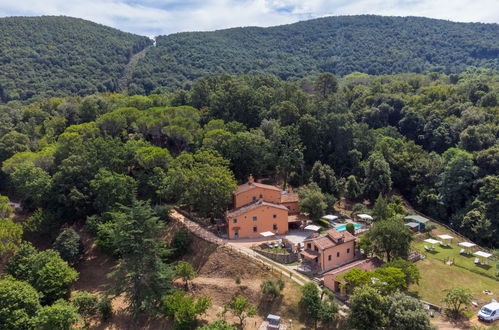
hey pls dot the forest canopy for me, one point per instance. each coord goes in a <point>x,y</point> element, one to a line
<point>370,44</point>
<point>431,137</point>
<point>58,56</point>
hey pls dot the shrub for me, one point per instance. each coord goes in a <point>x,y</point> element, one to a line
<point>163,212</point>
<point>105,307</point>
<point>86,304</point>
<point>350,228</point>
<point>181,242</point>
<point>69,246</point>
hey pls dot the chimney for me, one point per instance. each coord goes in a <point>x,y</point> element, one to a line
<point>251,180</point>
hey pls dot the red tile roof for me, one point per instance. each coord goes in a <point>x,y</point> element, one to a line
<point>289,197</point>
<point>247,186</point>
<point>331,239</point>
<point>365,264</point>
<point>254,205</point>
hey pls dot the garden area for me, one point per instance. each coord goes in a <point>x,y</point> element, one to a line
<point>437,275</point>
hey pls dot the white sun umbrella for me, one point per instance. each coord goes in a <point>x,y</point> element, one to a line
<point>483,255</point>
<point>330,217</point>
<point>432,241</point>
<point>364,216</point>
<point>467,245</point>
<point>447,238</point>
<point>313,228</point>
<point>267,234</point>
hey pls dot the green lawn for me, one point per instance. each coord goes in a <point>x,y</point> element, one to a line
<point>437,276</point>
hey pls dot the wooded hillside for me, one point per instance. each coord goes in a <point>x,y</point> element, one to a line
<point>58,56</point>
<point>341,45</point>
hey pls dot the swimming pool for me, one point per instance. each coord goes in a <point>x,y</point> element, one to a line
<point>344,227</point>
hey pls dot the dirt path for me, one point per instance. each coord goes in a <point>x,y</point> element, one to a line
<point>129,68</point>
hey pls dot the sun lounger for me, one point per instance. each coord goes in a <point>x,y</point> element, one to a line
<point>477,261</point>
<point>427,248</point>
<point>461,251</point>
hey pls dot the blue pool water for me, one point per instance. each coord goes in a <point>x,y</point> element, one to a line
<point>344,227</point>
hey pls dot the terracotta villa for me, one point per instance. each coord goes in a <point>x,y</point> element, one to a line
<point>260,208</point>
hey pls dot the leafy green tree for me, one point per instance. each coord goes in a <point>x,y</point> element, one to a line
<point>326,84</point>
<point>141,273</point>
<point>5,208</point>
<point>381,211</point>
<point>412,275</point>
<point>457,298</point>
<point>51,275</point>
<point>352,188</point>
<point>32,183</point>
<point>45,271</point>
<point>11,143</point>
<point>86,304</point>
<point>329,309</point>
<point>184,310</point>
<point>389,280</point>
<point>310,302</point>
<point>389,239</point>
<point>378,176</point>
<point>367,309</point>
<point>479,137</point>
<point>203,181</point>
<point>241,308</point>
<point>180,243</point>
<point>10,236</point>
<point>151,157</point>
<point>111,188</point>
<point>312,201</point>
<point>272,288</point>
<point>286,111</point>
<point>60,315</point>
<point>19,265</point>
<point>69,246</point>
<point>350,228</point>
<point>406,313</point>
<point>323,175</point>
<point>19,303</point>
<point>186,272</point>
<point>456,179</point>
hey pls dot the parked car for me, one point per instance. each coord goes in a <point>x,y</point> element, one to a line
<point>489,312</point>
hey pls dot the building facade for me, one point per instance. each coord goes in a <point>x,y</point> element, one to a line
<point>260,208</point>
<point>331,250</point>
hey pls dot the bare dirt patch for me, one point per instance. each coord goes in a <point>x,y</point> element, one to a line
<point>218,268</point>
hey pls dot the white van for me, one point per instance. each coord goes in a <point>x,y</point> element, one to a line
<point>489,312</point>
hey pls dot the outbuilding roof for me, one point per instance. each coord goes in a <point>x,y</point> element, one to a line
<point>417,218</point>
<point>412,224</point>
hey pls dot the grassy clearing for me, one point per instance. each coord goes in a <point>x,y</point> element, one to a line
<point>438,276</point>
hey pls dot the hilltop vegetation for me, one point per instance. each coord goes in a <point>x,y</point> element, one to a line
<point>57,56</point>
<point>341,45</point>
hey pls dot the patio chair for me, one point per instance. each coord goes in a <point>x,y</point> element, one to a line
<point>461,251</point>
<point>477,261</point>
<point>427,248</point>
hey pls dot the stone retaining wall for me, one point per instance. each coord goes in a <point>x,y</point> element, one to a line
<point>279,257</point>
